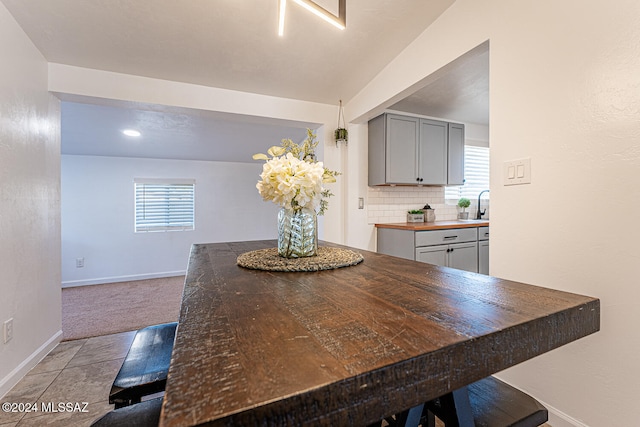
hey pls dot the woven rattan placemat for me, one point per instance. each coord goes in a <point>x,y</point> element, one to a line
<point>327,259</point>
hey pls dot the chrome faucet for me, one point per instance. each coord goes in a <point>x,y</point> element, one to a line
<point>479,213</point>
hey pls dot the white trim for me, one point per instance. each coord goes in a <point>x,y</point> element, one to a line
<point>185,181</point>
<point>8,382</point>
<point>558,418</point>
<point>116,279</point>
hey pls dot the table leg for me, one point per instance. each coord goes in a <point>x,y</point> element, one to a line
<point>454,409</point>
<point>411,418</point>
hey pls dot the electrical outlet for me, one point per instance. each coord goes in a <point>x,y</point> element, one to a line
<point>79,262</point>
<point>8,330</point>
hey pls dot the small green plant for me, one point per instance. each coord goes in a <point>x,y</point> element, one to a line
<point>464,203</point>
<point>415,211</point>
<point>341,134</point>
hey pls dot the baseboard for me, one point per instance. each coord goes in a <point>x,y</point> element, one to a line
<point>116,279</point>
<point>560,419</point>
<point>8,382</point>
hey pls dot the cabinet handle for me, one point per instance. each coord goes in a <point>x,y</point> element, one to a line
<point>449,237</point>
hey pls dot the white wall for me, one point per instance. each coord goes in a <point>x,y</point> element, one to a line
<point>565,79</point>
<point>98,212</point>
<point>29,205</point>
<point>73,82</point>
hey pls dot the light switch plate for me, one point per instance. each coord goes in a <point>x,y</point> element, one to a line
<point>517,172</point>
<point>7,331</point>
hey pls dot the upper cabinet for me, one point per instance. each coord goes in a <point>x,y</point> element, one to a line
<point>455,171</point>
<point>408,150</point>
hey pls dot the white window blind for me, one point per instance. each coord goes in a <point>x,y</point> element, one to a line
<point>164,205</point>
<point>476,175</point>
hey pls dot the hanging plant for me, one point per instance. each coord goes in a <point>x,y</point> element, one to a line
<point>341,133</point>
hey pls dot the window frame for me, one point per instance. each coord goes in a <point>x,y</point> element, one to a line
<point>476,179</point>
<point>176,197</point>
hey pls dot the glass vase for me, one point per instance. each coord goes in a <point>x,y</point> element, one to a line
<point>297,233</point>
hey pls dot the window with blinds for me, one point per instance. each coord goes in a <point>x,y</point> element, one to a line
<point>476,175</point>
<point>164,205</point>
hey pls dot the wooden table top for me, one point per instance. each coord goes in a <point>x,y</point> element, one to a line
<point>351,345</point>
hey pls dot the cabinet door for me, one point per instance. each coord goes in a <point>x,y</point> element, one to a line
<point>402,149</point>
<point>464,256</point>
<point>433,152</point>
<point>433,254</point>
<point>455,163</point>
<point>483,257</point>
<point>395,242</point>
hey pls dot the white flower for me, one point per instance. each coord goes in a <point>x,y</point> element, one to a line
<point>292,179</point>
<point>291,182</point>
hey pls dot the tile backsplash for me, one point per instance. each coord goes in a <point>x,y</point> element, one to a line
<point>390,204</point>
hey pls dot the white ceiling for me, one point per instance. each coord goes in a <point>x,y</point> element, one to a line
<point>457,92</point>
<point>229,44</point>
<point>234,45</point>
<point>90,129</point>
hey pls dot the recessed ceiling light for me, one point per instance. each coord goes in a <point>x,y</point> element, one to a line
<point>131,132</point>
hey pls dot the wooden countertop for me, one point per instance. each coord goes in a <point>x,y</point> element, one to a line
<point>351,345</point>
<point>438,225</point>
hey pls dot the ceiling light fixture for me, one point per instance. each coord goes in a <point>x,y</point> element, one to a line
<point>131,132</point>
<point>281,13</point>
<point>339,21</point>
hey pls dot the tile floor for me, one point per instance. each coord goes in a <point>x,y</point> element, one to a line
<point>75,371</point>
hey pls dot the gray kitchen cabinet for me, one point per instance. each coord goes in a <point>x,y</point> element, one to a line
<point>483,250</point>
<point>409,150</point>
<point>433,152</point>
<point>463,256</point>
<point>401,135</point>
<point>456,247</point>
<point>455,154</point>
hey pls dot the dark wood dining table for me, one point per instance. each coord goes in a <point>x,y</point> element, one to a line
<point>351,345</point>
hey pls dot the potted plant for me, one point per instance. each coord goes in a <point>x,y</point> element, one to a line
<point>464,203</point>
<point>415,215</point>
<point>341,134</point>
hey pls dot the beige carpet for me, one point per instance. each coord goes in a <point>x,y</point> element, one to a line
<point>89,311</point>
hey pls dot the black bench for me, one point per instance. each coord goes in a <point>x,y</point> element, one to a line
<point>492,403</point>
<point>486,403</point>
<point>145,414</point>
<point>144,370</point>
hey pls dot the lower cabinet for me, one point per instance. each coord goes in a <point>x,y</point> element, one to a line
<point>483,250</point>
<point>483,257</point>
<point>463,256</point>
<point>456,248</point>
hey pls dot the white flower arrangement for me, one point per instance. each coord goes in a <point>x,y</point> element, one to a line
<point>292,178</point>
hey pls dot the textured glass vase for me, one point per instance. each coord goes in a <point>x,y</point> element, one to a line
<point>297,233</point>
